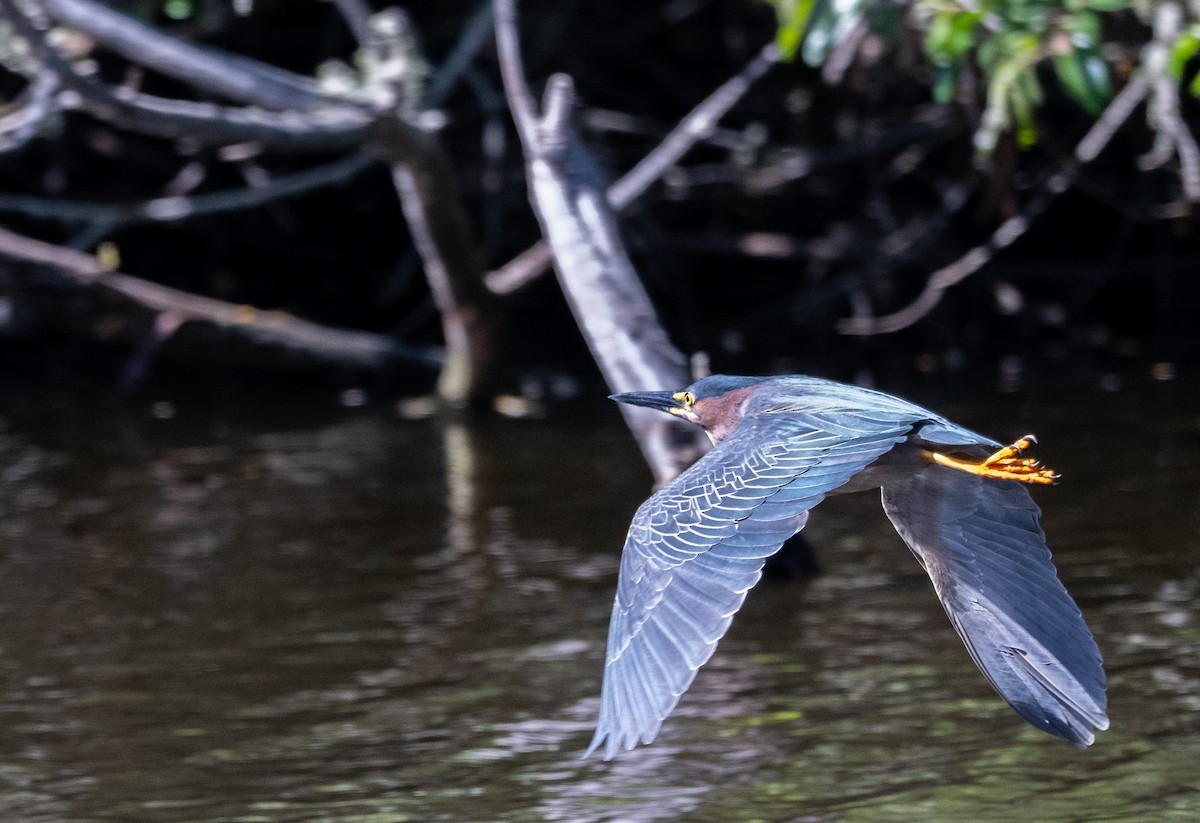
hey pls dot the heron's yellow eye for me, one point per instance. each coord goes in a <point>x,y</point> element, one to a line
<point>685,397</point>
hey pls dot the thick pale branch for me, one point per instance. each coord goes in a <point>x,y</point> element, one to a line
<point>610,305</point>
<point>452,261</point>
<point>455,276</point>
<point>328,127</point>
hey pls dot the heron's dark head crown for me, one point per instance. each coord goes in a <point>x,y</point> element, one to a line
<point>718,385</point>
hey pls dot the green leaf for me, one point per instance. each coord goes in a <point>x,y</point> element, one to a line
<point>1182,50</point>
<point>814,27</point>
<point>787,40</point>
<point>1082,71</point>
<point>178,9</point>
<point>827,26</point>
<point>888,20</point>
<point>793,18</point>
<point>1084,27</point>
<point>1024,96</point>
<point>950,36</point>
<point>1013,92</point>
<point>1084,77</point>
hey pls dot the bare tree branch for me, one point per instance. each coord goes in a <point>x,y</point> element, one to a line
<point>454,271</point>
<point>1172,137</point>
<point>271,328</point>
<point>610,305</point>
<point>327,127</point>
<point>1112,118</point>
<point>169,209</point>
<point>229,75</point>
<point>357,15</point>
<point>699,123</point>
<point>36,104</point>
<point>476,33</point>
<point>1097,137</point>
<point>696,126</point>
<point>508,47</point>
<point>307,120</point>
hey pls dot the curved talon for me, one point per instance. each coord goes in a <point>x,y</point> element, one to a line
<point>1004,455</point>
<point>1004,464</point>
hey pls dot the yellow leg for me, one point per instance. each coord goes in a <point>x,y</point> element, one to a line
<point>1005,464</point>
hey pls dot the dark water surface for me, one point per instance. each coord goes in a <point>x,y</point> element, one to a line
<point>356,618</point>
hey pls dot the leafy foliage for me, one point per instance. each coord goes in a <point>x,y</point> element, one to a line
<point>1185,48</point>
<point>1005,41</point>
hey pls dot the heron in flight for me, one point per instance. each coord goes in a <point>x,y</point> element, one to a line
<point>959,500</point>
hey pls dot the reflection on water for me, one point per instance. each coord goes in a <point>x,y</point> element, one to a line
<point>363,619</point>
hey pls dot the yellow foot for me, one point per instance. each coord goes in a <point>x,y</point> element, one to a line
<point>1005,464</point>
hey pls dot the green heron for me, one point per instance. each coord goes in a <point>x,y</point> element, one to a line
<point>958,499</point>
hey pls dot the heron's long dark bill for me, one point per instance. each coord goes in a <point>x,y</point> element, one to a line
<point>661,400</point>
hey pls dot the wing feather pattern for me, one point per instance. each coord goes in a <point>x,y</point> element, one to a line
<point>986,554</point>
<point>698,545</point>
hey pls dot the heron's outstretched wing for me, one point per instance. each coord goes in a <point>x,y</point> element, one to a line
<point>980,541</point>
<point>697,546</point>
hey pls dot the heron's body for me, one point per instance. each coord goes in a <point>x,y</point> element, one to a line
<point>782,444</point>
